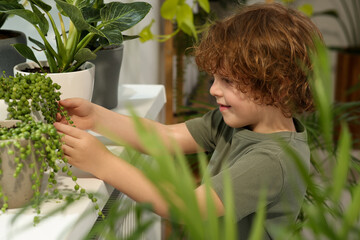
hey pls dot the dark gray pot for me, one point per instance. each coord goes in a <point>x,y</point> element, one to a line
<point>107,71</point>
<point>9,56</point>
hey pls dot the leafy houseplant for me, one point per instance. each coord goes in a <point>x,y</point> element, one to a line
<point>71,46</point>
<point>108,65</point>
<point>8,37</point>
<point>32,145</point>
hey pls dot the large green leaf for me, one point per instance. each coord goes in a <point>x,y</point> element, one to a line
<point>43,24</point>
<point>307,8</point>
<point>38,43</point>
<point>25,14</point>
<point>117,17</point>
<point>91,15</point>
<point>6,5</point>
<point>185,19</point>
<point>123,15</point>
<point>83,3</point>
<point>25,51</point>
<point>41,5</point>
<point>205,5</point>
<point>113,35</point>
<point>168,9</point>
<point>80,4</point>
<point>77,18</point>
<point>84,55</point>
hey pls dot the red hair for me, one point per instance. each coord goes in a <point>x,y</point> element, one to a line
<point>264,49</point>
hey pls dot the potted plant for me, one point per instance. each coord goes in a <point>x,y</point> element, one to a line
<point>108,63</point>
<point>29,147</point>
<point>8,37</point>
<point>71,51</point>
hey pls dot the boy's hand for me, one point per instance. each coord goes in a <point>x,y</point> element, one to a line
<point>80,111</point>
<point>82,149</point>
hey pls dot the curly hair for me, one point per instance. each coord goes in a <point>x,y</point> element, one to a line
<point>264,49</point>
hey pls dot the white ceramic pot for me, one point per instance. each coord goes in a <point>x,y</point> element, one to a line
<point>73,84</point>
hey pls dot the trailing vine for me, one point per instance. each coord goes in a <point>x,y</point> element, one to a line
<point>28,97</point>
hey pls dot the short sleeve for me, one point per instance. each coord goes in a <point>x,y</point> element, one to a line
<point>206,130</point>
<point>249,174</point>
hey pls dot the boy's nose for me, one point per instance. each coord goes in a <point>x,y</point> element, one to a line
<point>214,89</point>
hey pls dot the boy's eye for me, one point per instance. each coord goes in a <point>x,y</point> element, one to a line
<point>227,81</point>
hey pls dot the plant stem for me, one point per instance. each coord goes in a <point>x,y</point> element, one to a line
<point>59,43</point>
<point>63,29</point>
<point>47,44</point>
<point>71,47</point>
<point>84,42</point>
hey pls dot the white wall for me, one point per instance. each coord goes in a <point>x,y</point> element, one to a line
<point>140,60</point>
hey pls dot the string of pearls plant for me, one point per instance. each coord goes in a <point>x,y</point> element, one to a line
<point>24,95</point>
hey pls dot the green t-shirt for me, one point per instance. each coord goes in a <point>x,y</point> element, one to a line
<point>255,161</point>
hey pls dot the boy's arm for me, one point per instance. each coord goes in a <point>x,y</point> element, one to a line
<point>89,154</point>
<point>121,128</point>
<point>132,182</point>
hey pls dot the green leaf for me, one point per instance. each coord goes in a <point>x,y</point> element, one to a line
<point>130,37</point>
<point>322,91</point>
<point>168,9</point>
<point>343,161</point>
<point>185,19</point>
<point>6,5</point>
<point>25,14</point>
<point>117,17</point>
<point>257,230</point>
<point>212,222</point>
<point>41,5</point>
<point>351,215</point>
<point>91,15</point>
<point>113,35</point>
<point>38,43</point>
<point>43,24</point>
<point>205,5</point>
<point>74,14</point>
<point>230,218</point>
<point>123,15</point>
<point>146,34</point>
<point>76,17</point>
<point>25,51</point>
<point>84,55</point>
<point>307,9</point>
<point>83,3</point>
<point>52,62</point>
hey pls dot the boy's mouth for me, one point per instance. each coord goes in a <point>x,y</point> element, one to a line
<point>223,107</point>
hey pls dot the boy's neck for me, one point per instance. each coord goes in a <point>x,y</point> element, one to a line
<point>272,120</point>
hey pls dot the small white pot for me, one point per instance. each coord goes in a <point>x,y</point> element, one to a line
<point>73,84</point>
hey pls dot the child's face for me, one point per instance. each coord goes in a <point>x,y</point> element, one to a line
<point>237,108</point>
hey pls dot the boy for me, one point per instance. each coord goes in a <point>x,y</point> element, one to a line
<point>257,58</point>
